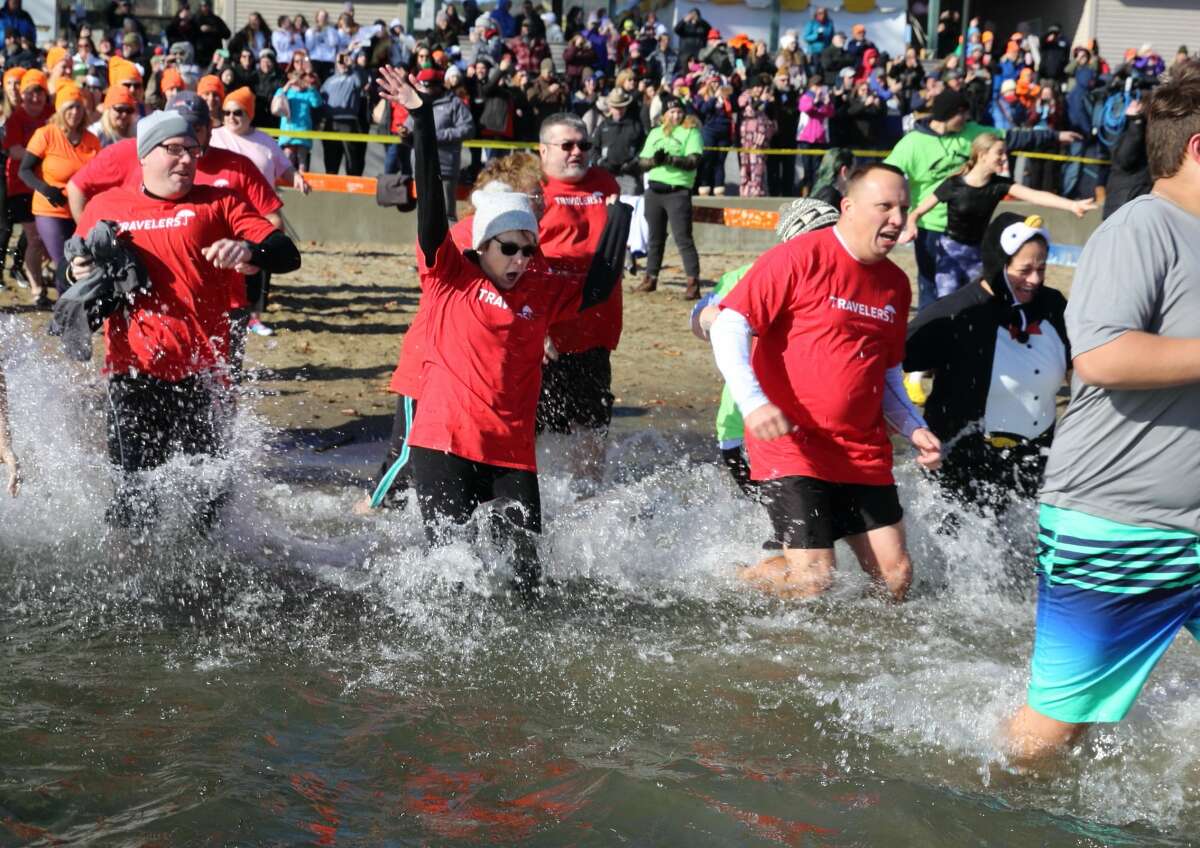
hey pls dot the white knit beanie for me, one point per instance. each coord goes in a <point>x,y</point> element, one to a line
<point>499,209</point>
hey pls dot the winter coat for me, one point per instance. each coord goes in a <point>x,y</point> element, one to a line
<point>817,35</point>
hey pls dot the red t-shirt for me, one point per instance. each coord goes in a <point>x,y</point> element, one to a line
<point>828,329</point>
<point>118,165</point>
<point>406,379</point>
<point>18,130</point>
<point>483,359</point>
<point>181,326</point>
<point>569,233</point>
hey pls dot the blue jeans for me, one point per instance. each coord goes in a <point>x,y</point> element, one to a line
<point>397,159</point>
<point>926,250</point>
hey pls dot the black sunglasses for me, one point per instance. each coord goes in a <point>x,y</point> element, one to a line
<point>232,113</point>
<point>568,146</point>
<point>508,248</point>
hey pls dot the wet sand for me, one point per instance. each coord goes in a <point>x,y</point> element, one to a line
<point>339,322</point>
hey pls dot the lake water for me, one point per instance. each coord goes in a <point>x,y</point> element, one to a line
<point>304,676</point>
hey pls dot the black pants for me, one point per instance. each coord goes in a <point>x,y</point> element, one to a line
<point>979,474</point>
<point>712,170</point>
<point>674,206</point>
<point>354,152</point>
<point>450,489</point>
<point>150,421</point>
<point>781,175</point>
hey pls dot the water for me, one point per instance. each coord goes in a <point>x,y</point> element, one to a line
<point>308,677</point>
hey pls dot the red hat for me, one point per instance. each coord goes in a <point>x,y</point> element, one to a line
<point>714,34</point>
<point>428,75</point>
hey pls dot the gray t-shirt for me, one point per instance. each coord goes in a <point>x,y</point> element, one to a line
<point>1133,455</point>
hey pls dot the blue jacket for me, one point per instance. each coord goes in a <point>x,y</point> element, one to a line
<point>817,36</point>
<point>1079,109</point>
<point>17,21</point>
<point>504,20</point>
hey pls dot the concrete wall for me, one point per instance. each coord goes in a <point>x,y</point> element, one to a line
<point>326,216</point>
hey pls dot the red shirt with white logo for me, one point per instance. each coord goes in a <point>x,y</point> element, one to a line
<point>483,358</point>
<point>828,329</point>
<point>569,233</point>
<point>118,165</point>
<point>406,378</point>
<point>181,326</point>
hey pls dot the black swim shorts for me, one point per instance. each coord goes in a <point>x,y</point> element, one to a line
<point>809,513</point>
<point>576,392</point>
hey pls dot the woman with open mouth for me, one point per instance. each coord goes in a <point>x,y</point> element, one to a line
<point>472,440</point>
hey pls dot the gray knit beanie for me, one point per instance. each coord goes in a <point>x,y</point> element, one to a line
<point>803,216</point>
<point>156,128</point>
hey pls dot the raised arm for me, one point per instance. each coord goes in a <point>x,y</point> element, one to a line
<point>914,217</point>
<point>432,226</point>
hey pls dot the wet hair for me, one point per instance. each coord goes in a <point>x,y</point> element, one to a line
<point>562,119</point>
<point>1172,118</point>
<point>520,170</point>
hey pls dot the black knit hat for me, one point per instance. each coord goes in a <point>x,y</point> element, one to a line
<point>948,104</point>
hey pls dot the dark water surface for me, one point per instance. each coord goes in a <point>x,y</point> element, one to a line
<point>308,677</point>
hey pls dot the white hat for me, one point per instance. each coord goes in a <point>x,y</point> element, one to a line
<point>499,209</point>
<point>1015,235</point>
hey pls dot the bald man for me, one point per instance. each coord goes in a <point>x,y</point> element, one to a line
<point>824,387</point>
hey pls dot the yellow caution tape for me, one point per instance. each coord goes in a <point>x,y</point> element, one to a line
<point>531,145</point>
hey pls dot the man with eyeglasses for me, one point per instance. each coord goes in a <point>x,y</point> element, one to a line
<point>577,394</point>
<point>166,352</point>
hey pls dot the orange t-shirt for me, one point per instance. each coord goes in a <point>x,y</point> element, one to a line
<point>60,161</point>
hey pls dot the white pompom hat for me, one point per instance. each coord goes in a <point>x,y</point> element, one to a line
<point>499,209</point>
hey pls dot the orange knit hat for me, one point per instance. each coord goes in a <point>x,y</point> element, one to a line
<point>210,84</point>
<point>55,55</point>
<point>68,92</point>
<point>170,81</point>
<point>118,95</point>
<point>33,78</point>
<point>244,98</point>
<point>13,74</point>
<point>120,70</point>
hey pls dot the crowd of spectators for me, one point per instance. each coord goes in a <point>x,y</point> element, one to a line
<point>825,86</point>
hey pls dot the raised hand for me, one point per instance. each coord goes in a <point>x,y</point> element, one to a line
<point>396,88</point>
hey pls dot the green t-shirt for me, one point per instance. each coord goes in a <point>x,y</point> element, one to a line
<point>928,160</point>
<point>683,141</point>
<point>730,429</point>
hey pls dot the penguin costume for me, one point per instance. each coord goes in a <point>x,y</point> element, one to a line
<point>998,365</point>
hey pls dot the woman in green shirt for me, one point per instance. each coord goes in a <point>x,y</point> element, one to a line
<point>670,158</point>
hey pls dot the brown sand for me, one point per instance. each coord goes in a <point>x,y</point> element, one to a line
<point>340,319</point>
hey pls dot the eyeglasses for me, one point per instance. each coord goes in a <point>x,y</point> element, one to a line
<point>122,110</point>
<point>232,113</point>
<point>509,248</point>
<point>568,146</point>
<point>178,151</point>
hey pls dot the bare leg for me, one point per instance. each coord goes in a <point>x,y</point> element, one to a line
<point>1031,736</point>
<point>799,573</point>
<point>35,257</point>
<point>882,554</point>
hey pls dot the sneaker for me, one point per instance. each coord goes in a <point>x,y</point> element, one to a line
<point>259,328</point>
<point>915,386</point>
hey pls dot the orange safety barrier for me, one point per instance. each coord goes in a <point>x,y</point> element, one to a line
<point>339,183</point>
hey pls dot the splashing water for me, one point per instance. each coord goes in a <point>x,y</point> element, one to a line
<point>303,675</point>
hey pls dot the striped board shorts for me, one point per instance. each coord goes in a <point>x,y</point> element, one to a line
<point>1111,598</point>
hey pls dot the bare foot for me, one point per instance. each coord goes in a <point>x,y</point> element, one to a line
<point>362,506</point>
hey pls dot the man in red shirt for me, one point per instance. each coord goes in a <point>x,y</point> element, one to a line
<point>577,378</point>
<point>167,350</point>
<point>829,310</point>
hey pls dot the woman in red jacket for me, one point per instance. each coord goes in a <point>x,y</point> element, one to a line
<point>472,440</point>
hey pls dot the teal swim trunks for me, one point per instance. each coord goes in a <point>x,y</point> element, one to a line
<point>1111,599</point>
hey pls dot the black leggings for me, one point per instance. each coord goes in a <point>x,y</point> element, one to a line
<point>450,488</point>
<point>399,434</point>
<point>674,206</point>
<point>978,474</point>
